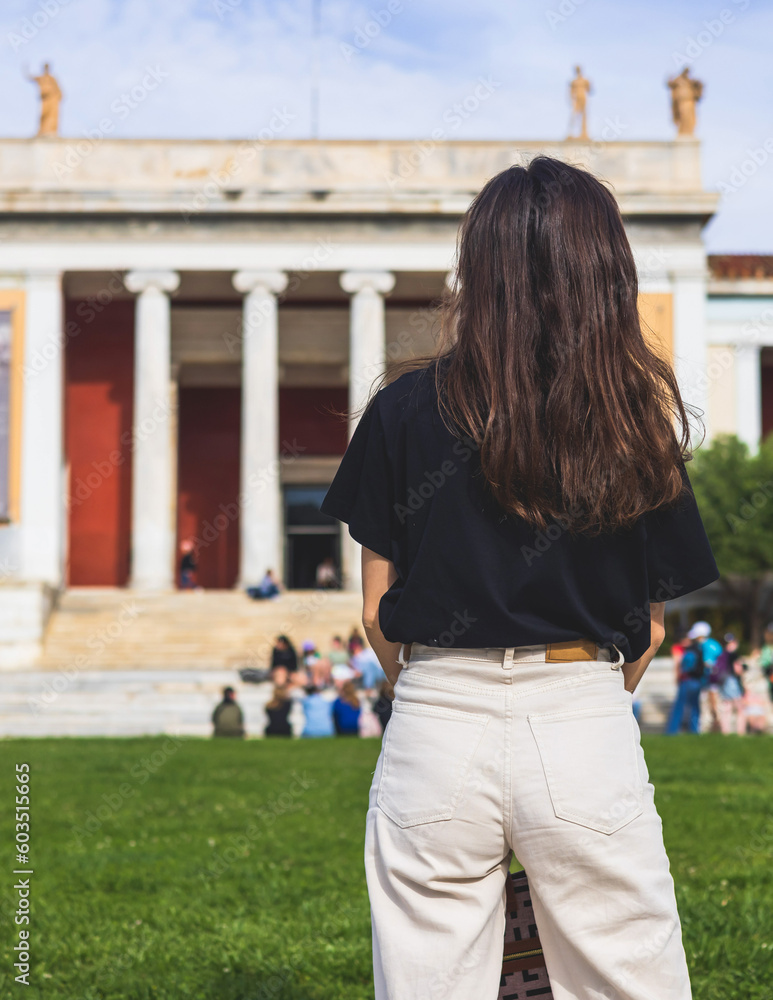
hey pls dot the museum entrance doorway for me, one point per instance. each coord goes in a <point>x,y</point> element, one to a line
<point>311,536</point>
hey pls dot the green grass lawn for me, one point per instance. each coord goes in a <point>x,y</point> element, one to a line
<point>222,871</point>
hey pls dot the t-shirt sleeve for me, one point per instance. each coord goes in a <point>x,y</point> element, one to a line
<point>679,555</point>
<point>362,490</point>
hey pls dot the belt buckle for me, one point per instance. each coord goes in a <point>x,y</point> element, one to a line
<point>572,649</point>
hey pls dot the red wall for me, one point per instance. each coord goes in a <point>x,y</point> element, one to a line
<point>99,384</point>
<point>303,418</point>
<point>99,366</point>
<point>767,399</point>
<point>208,480</point>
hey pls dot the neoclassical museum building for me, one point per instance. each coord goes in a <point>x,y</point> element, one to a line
<point>181,320</point>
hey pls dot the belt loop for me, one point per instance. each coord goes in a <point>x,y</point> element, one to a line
<point>618,664</point>
<point>400,658</point>
<point>507,659</point>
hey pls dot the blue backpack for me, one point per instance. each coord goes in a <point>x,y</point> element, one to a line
<point>693,664</point>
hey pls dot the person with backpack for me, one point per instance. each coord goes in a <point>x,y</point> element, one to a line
<point>700,653</point>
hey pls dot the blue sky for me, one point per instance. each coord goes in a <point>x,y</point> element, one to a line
<point>221,67</point>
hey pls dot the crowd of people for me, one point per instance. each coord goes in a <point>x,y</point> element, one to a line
<point>348,670</point>
<point>713,673</point>
<point>342,690</point>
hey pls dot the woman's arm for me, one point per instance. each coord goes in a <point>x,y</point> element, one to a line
<point>378,575</point>
<point>633,672</point>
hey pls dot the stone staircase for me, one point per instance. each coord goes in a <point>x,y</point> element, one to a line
<point>123,702</point>
<point>101,629</point>
<point>121,663</point>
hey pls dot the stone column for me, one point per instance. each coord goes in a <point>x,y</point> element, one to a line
<point>367,331</point>
<point>43,486</point>
<point>153,500</point>
<point>748,395</point>
<point>367,356</point>
<point>690,341</point>
<point>260,525</point>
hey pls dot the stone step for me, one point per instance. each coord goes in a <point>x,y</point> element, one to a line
<point>117,662</point>
<point>122,702</point>
<point>110,628</point>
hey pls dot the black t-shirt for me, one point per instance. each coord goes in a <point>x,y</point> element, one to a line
<point>469,575</point>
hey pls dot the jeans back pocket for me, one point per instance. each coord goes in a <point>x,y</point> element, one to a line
<point>427,754</point>
<point>590,760</point>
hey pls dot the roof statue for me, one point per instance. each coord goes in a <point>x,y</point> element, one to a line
<point>579,88</point>
<point>685,94</point>
<point>50,98</point>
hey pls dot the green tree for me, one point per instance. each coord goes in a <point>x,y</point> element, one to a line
<point>734,490</point>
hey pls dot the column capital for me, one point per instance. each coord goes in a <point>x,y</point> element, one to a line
<point>271,281</point>
<point>374,281</point>
<point>141,281</point>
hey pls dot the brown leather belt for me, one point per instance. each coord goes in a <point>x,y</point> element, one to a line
<point>568,651</point>
<point>572,649</point>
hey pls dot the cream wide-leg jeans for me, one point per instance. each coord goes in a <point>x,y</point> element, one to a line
<point>490,751</point>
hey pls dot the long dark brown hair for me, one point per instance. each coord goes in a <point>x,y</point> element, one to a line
<point>541,360</point>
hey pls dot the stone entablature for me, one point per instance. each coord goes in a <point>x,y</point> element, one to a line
<point>194,177</point>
